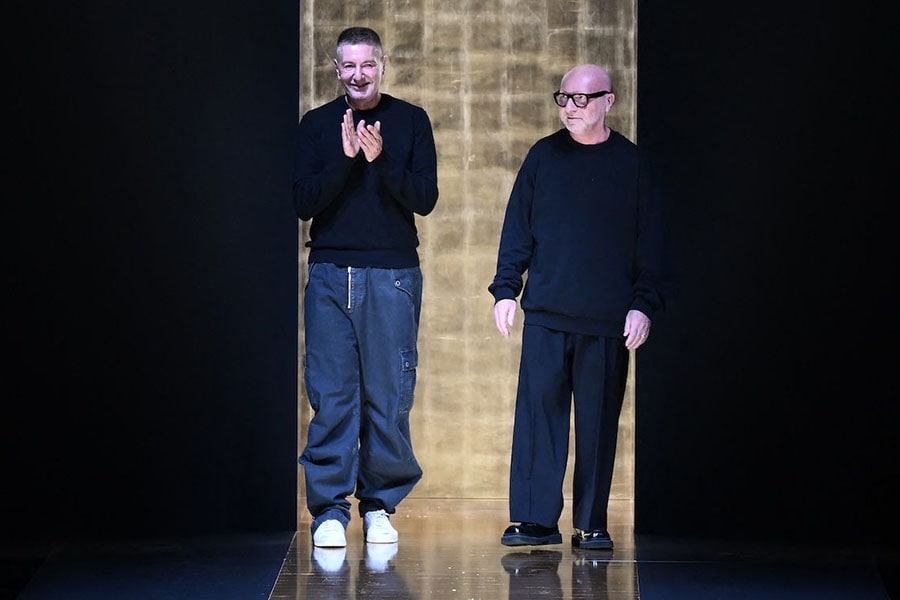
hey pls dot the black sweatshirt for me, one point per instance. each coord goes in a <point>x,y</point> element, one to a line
<point>586,223</point>
<point>363,213</point>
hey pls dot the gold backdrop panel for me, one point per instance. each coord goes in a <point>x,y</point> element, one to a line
<point>484,71</point>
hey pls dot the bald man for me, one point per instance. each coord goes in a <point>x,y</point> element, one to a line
<point>585,221</point>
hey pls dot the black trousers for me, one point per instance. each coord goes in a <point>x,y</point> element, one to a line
<point>558,370</point>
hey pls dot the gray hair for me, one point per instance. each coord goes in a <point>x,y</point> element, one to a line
<point>359,35</point>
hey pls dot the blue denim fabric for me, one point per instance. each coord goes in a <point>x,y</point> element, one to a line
<point>361,328</point>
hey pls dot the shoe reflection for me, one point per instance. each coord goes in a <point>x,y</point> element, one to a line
<point>378,579</point>
<point>330,560</point>
<point>333,574</point>
<point>589,576</point>
<point>533,574</point>
<point>378,556</point>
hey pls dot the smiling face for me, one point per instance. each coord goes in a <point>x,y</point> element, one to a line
<point>587,125</point>
<point>359,69</point>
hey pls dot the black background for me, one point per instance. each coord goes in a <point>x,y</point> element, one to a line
<point>151,324</point>
<point>151,275</point>
<point>764,403</point>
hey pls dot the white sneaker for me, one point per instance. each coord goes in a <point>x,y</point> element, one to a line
<point>378,528</point>
<point>330,534</point>
<point>378,556</point>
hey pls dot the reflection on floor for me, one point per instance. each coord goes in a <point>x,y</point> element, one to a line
<point>451,549</point>
<point>447,549</point>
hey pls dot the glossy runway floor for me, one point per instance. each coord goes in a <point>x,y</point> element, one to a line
<point>448,549</point>
<point>451,550</point>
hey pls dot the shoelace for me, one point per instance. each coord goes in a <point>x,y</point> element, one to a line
<point>378,519</point>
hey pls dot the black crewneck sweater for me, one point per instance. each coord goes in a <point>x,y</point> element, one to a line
<point>586,224</point>
<point>363,213</point>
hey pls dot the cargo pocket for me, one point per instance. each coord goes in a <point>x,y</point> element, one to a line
<point>409,360</point>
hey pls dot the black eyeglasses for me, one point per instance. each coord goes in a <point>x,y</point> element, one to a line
<point>579,100</point>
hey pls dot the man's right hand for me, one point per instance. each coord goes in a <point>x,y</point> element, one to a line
<point>504,315</point>
<point>348,135</point>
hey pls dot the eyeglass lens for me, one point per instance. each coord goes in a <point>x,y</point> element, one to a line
<point>579,100</point>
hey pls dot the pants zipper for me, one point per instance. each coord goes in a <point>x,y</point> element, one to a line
<point>349,288</point>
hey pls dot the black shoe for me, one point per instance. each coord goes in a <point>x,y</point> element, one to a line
<point>530,534</point>
<point>597,539</point>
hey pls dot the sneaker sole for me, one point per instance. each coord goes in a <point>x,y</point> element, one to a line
<point>530,540</point>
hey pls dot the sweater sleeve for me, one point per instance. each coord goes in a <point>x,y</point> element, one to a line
<point>516,240</point>
<point>316,181</point>
<point>415,187</point>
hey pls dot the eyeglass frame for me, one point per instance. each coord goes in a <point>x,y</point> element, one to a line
<point>587,97</point>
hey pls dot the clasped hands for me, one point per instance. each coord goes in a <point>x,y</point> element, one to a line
<point>363,137</point>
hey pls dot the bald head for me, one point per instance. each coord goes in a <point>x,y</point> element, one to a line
<point>586,78</point>
<point>586,91</point>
